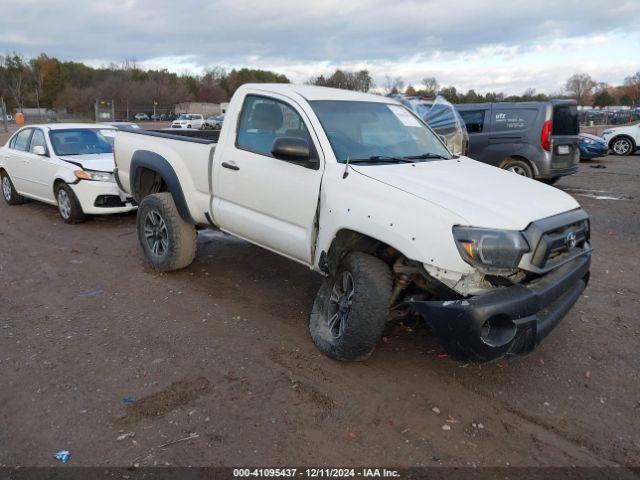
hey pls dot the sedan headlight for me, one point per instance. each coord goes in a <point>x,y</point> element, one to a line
<point>588,141</point>
<point>96,176</point>
<point>489,249</point>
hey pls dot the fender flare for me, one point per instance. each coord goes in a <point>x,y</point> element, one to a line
<point>157,163</point>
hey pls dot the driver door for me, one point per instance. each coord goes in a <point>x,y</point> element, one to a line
<point>266,200</point>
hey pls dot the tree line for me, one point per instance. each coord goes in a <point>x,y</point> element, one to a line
<point>46,82</point>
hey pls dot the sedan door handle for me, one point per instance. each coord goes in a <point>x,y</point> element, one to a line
<point>230,166</point>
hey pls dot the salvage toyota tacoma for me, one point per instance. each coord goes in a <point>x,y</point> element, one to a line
<point>360,189</point>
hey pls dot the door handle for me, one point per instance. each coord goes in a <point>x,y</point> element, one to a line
<point>230,166</point>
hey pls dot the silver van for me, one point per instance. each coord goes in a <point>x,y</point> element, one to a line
<point>535,139</point>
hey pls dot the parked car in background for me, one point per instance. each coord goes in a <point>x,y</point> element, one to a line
<point>357,188</point>
<point>214,122</point>
<point>623,140</point>
<point>139,117</point>
<point>624,116</point>
<point>591,146</point>
<point>68,165</point>
<point>188,120</point>
<point>121,125</point>
<point>534,139</point>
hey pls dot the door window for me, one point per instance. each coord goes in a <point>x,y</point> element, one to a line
<point>263,120</point>
<point>22,140</point>
<point>37,140</point>
<point>474,120</point>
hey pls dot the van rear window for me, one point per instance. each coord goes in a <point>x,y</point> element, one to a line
<point>565,120</point>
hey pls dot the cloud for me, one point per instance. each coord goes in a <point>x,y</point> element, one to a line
<point>462,41</point>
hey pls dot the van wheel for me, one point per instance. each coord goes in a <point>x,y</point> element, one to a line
<point>622,146</point>
<point>352,308</point>
<point>68,205</point>
<point>520,167</point>
<point>9,192</point>
<point>167,240</point>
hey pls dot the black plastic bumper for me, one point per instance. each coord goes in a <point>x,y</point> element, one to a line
<point>506,321</point>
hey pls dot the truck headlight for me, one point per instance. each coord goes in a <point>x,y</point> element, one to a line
<point>95,176</point>
<point>490,249</point>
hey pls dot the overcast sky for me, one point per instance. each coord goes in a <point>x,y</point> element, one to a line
<point>486,45</point>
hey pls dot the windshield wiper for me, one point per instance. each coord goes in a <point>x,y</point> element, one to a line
<point>428,155</point>
<point>381,159</point>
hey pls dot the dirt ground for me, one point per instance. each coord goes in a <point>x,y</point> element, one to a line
<point>103,357</point>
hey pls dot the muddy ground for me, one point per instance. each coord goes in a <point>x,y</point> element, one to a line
<point>102,356</point>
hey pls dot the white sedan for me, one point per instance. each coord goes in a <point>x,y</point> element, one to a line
<point>68,165</point>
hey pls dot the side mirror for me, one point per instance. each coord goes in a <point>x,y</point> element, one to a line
<point>291,148</point>
<point>39,150</point>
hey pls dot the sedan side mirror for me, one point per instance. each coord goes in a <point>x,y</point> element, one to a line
<point>39,150</point>
<point>293,149</point>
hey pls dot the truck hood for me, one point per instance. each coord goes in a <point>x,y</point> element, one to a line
<point>101,162</point>
<point>483,195</point>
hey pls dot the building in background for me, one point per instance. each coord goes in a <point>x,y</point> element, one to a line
<point>201,108</point>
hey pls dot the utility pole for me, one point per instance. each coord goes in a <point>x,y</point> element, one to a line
<point>113,111</point>
<point>154,110</point>
<point>95,108</point>
<point>3,112</point>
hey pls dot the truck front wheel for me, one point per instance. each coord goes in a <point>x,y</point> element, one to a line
<point>352,308</point>
<point>167,240</point>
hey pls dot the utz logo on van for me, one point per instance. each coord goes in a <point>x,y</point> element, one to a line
<point>501,116</point>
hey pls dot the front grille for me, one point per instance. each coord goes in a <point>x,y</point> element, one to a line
<point>555,241</point>
<point>558,245</point>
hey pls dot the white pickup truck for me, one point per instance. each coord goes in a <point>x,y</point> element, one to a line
<point>359,189</point>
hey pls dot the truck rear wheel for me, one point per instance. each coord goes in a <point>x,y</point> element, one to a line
<point>352,308</point>
<point>167,240</point>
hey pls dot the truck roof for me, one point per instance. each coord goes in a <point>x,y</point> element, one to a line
<point>311,92</point>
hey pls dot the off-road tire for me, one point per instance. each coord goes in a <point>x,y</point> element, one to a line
<point>367,316</point>
<point>68,205</point>
<point>180,235</point>
<point>519,167</point>
<point>622,146</point>
<point>8,190</point>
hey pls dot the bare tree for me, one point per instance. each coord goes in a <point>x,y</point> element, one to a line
<point>580,86</point>
<point>632,87</point>
<point>15,72</point>
<point>393,85</point>
<point>431,86</point>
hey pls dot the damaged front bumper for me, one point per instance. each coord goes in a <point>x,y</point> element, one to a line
<point>507,321</point>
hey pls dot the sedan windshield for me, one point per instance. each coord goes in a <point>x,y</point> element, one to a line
<point>184,117</point>
<point>81,141</point>
<point>377,132</point>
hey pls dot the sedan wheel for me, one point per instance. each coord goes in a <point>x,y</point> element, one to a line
<point>64,204</point>
<point>6,188</point>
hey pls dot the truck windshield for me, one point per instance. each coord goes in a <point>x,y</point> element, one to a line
<point>376,132</point>
<point>81,141</point>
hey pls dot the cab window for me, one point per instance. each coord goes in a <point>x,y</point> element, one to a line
<point>22,140</point>
<point>263,120</point>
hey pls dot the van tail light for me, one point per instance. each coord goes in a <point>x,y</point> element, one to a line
<point>545,136</point>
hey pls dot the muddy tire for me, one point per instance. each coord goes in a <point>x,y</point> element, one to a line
<point>519,167</point>
<point>68,205</point>
<point>9,192</point>
<point>352,308</point>
<point>167,240</point>
<point>622,146</point>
